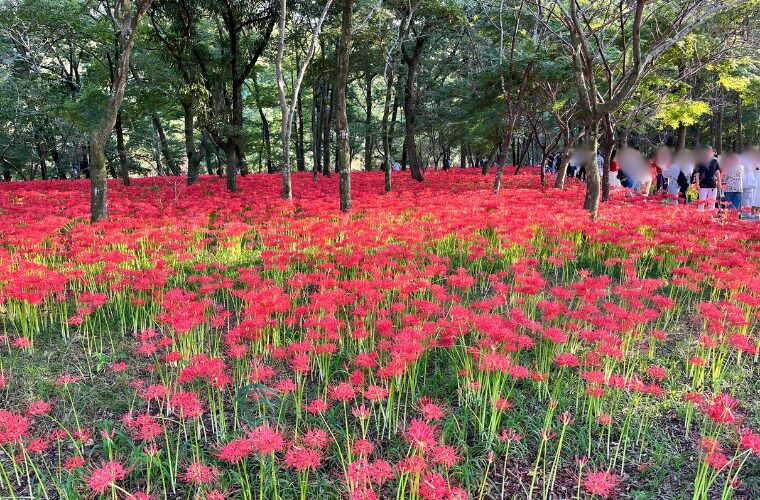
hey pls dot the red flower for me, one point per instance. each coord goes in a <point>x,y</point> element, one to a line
<point>105,477</point>
<point>600,483</point>
<point>38,408</point>
<point>200,473</point>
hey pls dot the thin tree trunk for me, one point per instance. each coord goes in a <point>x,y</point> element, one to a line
<point>209,151</point>
<point>288,109</point>
<point>122,151</point>
<point>524,148</point>
<point>391,73</point>
<point>316,134</point>
<point>368,143</point>
<point>394,118</point>
<point>341,121</point>
<point>241,160</point>
<point>609,143</point>
<point>718,139</point>
<point>739,142</point>
<point>327,118</point>
<point>300,143</point>
<point>42,154</point>
<point>164,145</point>
<point>60,172</point>
<point>265,134</point>
<point>157,153</point>
<point>287,189</point>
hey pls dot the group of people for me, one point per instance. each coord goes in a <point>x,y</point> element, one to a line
<point>730,180</point>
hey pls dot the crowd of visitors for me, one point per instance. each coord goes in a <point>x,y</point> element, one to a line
<point>729,180</point>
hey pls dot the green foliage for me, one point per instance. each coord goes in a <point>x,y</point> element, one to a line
<point>57,56</point>
<point>681,110</point>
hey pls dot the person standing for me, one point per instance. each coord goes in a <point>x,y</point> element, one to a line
<point>751,161</point>
<point>600,163</point>
<point>678,173</point>
<point>574,163</point>
<point>707,176</point>
<point>614,171</point>
<point>661,161</point>
<point>733,171</point>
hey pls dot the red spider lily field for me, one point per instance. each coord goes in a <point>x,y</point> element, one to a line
<point>438,342</point>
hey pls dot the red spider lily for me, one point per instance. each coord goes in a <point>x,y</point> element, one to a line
<point>105,477</point>
<point>600,483</point>
<point>38,408</point>
<point>421,435</point>
<point>528,310</point>
<point>74,462</point>
<point>13,427</point>
<point>200,473</point>
<point>186,404</point>
<point>303,459</point>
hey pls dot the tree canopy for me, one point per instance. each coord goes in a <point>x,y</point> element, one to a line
<point>232,87</point>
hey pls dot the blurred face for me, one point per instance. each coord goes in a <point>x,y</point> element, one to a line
<point>663,156</point>
<point>706,155</point>
<point>729,160</point>
<point>684,158</point>
<point>754,157</point>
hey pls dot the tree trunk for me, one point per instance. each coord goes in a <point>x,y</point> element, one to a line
<point>194,157</point>
<point>230,151</point>
<point>60,172</point>
<point>505,144</point>
<point>718,138</point>
<point>368,143</point>
<point>463,156</point>
<point>300,143</point>
<point>409,109</point>
<point>341,118</point>
<point>681,137</point>
<point>42,154</point>
<point>327,115</point>
<point>609,143</point>
<point>316,133</point>
<point>524,148</point>
<point>99,138</point>
<point>163,143</point>
<point>189,127</point>
<point>287,189</point>
<point>209,151</point>
<point>111,169</point>
<point>122,151</point>
<point>391,74</point>
<point>265,134</point>
<point>394,118</point>
<point>267,142</point>
<point>84,161</point>
<point>242,162</point>
<point>591,201</point>
<point>98,179</point>
<point>739,142</point>
<point>157,153</point>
